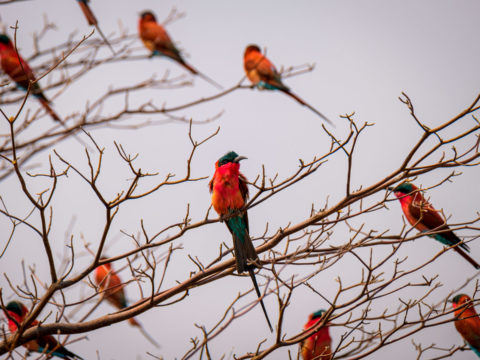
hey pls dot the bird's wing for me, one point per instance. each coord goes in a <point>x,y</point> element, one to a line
<point>156,38</point>
<point>430,219</point>
<point>20,72</point>
<point>423,210</point>
<point>266,71</point>
<point>242,184</point>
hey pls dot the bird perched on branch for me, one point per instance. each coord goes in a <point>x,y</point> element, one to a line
<point>264,75</point>
<point>318,345</point>
<point>468,322</point>
<point>109,283</point>
<point>229,195</point>
<point>92,20</point>
<point>156,39</point>
<point>16,313</point>
<point>19,71</point>
<point>422,215</point>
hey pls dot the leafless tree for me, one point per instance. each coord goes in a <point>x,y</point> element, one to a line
<point>303,247</point>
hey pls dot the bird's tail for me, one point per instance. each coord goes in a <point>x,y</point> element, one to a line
<point>48,109</point>
<point>467,257</point>
<point>105,39</point>
<point>92,20</point>
<point>257,290</point>
<point>132,321</point>
<point>300,101</point>
<point>243,246</point>
<point>198,73</point>
<point>144,332</point>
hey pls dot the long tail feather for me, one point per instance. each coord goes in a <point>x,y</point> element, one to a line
<point>144,332</point>
<point>43,100</point>
<point>467,257</point>
<point>132,321</point>
<point>255,285</point>
<point>203,76</point>
<point>300,101</point>
<point>49,109</point>
<point>105,39</point>
<point>92,20</point>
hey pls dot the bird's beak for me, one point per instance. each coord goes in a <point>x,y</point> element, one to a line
<point>390,188</point>
<point>238,158</point>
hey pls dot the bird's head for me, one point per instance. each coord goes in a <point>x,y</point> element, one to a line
<point>5,40</point>
<point>106,266</point>
<point>147,15</point>
<point>230,157</point>
<point>252,48</point>
<point>17,308</point>
<point>317,314</point>
<point>403,189</point>
<point>459,300</point>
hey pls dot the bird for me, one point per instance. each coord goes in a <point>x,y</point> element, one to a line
<point>467,322</point>
<point>109,282</point>
<point>318,345</point>
<point>229,195</point>
<point>92,20</point>
<point>156,39</point>
<point>264,75</point>
<point>46,344</point>
<point>423,216</point>
<point>20,72</point>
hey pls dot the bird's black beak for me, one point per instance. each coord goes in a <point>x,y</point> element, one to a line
<point>238,158</point>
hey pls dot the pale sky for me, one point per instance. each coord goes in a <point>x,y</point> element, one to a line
<point>366,53</point>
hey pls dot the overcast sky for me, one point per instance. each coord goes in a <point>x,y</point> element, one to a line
<point>366,53</point>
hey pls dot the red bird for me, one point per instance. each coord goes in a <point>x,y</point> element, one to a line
<point>229,196</point>
<point>19,71</point>
<point>317,346</point>
<point>468,322</point>
<point>156,39</point>
<point>109,283</point>
<point>264,75</point>
<point>45,344</point>
<point>421,215</point>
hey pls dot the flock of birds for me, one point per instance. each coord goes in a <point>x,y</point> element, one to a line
<point>229,195</point>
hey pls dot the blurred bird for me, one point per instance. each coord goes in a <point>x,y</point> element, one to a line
<point>92,20</point>
<point>109,283</point>
<point>468,323</point>
<point>264,75</point>
<point>229,195</point>
<point>317,346</point>
<point>156,39</point>
<point>421,215</point>
<point>19,71</point>
<point>43,344</point>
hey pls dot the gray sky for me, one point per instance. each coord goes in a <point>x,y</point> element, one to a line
<point>366,53</point>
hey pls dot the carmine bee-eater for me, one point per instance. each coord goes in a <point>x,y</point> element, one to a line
<point>46,344</point>
<point>19,71</point>
<point>468,323</point>
<point>422,215</point>
<point>264,75</point>
<point>317,346</point>
<point>92,20</point>
<point>156,39</point>
<point>229,195</point>
<point>109,283</point>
